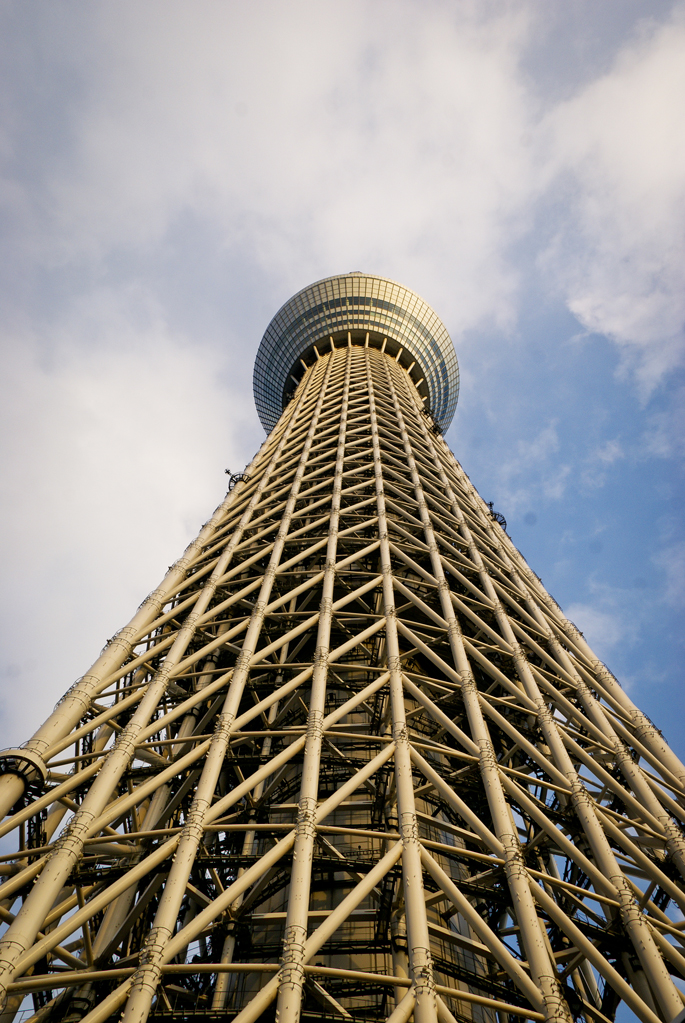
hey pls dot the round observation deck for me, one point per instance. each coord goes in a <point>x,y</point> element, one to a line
<point>356,304</point>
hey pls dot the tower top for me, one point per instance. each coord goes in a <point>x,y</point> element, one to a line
<point>356,304</point>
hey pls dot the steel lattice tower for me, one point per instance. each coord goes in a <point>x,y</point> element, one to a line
<point>349,760</point>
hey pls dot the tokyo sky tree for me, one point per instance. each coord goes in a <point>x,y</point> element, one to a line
<point>349,760</point>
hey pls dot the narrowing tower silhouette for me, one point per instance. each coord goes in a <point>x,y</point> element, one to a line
<point>349,760</point>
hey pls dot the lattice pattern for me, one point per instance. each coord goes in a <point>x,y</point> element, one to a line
<point>348,761</point>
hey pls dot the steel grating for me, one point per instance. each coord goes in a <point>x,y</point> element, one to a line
<point>348,761</point>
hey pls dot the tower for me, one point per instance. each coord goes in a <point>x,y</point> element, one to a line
<point>349,760</point>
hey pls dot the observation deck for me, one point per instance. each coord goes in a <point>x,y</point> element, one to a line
<point>356,304</point>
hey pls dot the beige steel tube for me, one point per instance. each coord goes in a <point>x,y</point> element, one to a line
<point>542,968</point>
<point>593,955</point>
<point>23,931</point>
<point>498,949</point>
<point>76,702</point>
<point>420,960</point>
<point>404,1009</point>
<point>291,978</point>
<point>675,843</point>
<point>636,927</point>
<point>144,983</point>
<point>228,897</point>
<point>221,988</point>
<point>645,731</point>
<point>254,1009</point>
<point>457,803</point>
<point>97,903</point>
<point>131,878</point>
<point>223,980</point>
<point>598,717</point>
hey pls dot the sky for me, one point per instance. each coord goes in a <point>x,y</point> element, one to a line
<point>171,173</point>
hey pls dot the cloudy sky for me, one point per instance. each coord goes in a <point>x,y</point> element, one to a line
<point>171,173</point>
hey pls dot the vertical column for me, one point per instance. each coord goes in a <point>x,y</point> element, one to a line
<point>645,731</point>
<point>632,919</point>
<point>292,971</point>
<point>22,932</point>
<point>418,940</point>
<point>532,931</point>
<point>145,981</point>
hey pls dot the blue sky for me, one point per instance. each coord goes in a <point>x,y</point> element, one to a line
<point>172,173</point>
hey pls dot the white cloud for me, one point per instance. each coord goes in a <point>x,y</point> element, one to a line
<point>664,435</point>
<point>301,139</point>
<point>619,147</point>
<point>311,142</point>
<point>603,629</point>
<point>672,561</point>
<point>416,147</point>
<point>113,456</point>
<point>533,471</point>
<point>541,447</point>
<point>608,452</point>
<point>616,620</point>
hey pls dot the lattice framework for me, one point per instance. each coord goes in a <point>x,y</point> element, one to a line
<point>349,760</point>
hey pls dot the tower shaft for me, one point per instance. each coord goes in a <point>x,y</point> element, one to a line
<point>349,761</point>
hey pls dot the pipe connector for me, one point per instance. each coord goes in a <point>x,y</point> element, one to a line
<point>27,765</point>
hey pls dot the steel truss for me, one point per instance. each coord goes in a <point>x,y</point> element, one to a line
<point>348,761</point>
